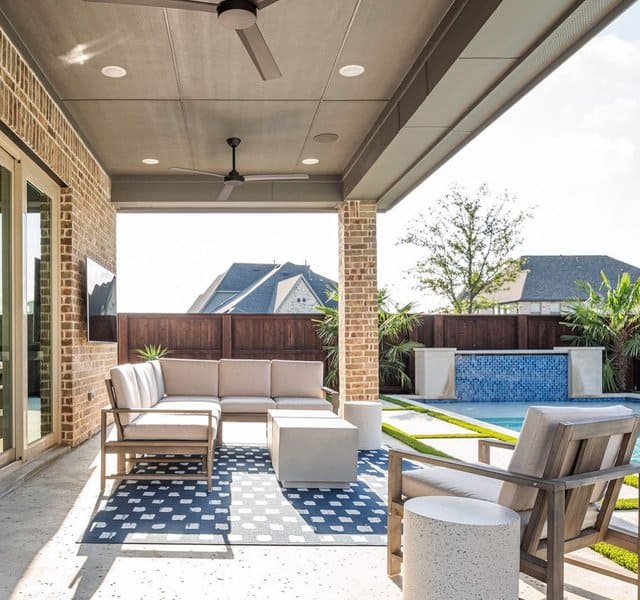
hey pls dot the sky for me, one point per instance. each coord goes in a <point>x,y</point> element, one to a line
<point>570,149</point>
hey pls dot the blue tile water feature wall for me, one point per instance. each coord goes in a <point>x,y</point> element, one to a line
<point>511,377</point>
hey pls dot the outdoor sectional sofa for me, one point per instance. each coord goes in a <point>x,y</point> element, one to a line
<point>177,406</point>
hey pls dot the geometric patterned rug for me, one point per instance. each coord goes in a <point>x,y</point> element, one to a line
<point>247,506</point>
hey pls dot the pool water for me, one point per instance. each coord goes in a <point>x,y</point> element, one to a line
<point>511,414</point>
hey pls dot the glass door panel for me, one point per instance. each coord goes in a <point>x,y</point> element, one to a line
<point>37,285</point>
<point>7,420</point>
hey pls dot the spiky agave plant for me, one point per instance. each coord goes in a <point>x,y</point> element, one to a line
<point>152,351</point>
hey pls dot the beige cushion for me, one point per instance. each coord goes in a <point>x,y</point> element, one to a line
<point>440,481</point>
<point>147,385</point>
<point>303,403</point>
<point>245,378</point>
<point>189,377</point>
<point>158,426</point>
<point>125,387</point>
<point>296,378</point>
<point>157,371</point>
<point>534,444</point>
<point>190,403</point>
<point>246,404</point>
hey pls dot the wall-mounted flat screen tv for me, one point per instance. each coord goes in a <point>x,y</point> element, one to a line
<point>102,314</point>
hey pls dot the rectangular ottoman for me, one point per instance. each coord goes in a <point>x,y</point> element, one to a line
<point>314,452</point>
<point>298,414</point>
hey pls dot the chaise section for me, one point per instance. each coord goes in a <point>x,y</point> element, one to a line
<point>297,385</point>
<point>169,426</point>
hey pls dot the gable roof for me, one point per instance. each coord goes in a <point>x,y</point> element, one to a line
<point>552,278</point>
<point>255,288</point>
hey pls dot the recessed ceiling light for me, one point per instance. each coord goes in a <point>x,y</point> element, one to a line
<point>113,71</point>
<point>310,161</point>
<point>150,161</point>
<point>351,70</point>
<point>325,138</point>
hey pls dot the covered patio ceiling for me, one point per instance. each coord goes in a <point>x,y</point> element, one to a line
<point>436,73</point>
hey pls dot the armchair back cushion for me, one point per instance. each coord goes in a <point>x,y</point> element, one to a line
<point>189,377</point>
<point>157,371</point>
<point>245,378</point>
<point>296,379</point>
<point>534,445</point>
<point>127,393</point>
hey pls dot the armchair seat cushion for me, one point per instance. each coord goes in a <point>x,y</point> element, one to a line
<point>163,426</point>
<point>246,404</point>
<point>303,403</point>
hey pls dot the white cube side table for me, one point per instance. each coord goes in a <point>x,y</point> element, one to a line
<point>314,452</point>
<point>460,548</point>
<point>295,414</point>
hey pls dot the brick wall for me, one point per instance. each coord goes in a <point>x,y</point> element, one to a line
<point>358,308</point>
<point>87,222</point>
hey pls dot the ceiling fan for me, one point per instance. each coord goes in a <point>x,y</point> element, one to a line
<point>233,179</point>
<point>240,15</point>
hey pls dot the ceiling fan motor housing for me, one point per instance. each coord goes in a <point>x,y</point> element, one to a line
<point>237,14</point>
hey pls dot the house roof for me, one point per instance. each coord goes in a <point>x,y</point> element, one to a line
<point>553,278</point>
<point>259,288</point>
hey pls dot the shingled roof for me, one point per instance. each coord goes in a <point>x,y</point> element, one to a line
<point>552,278</point>
<point>257,288</point>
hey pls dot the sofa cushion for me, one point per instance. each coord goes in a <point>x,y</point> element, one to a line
<point>147,385</point>
<point>189,377</point>
<point>297,378</point>
<point>159,426</point>
<point>157,371</point>
<point>534,445</point>
<point>296,403</point>
<point>125,387</point>
<point>190,403</point>
<point>246,404</point>
<point>245,378</point>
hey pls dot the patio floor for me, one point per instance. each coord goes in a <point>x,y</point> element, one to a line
<point>40,556</point>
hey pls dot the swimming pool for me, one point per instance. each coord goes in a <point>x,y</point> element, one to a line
<point>511,414</point>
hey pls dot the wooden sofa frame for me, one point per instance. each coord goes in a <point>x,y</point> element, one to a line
<point>562,502</point>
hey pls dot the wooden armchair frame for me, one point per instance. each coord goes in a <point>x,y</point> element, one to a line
<point>129,452</point>
<point>561,502</point>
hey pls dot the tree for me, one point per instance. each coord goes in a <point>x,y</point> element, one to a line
<point>609,318</point>
<point>469,243</point>
<point>395,323</point>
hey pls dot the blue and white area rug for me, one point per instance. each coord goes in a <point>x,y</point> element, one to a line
<point>247,506</point>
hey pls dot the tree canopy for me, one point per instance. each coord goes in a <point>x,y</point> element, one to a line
<point>469,242</point>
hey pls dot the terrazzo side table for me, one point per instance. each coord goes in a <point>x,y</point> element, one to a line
<point>460,548</point>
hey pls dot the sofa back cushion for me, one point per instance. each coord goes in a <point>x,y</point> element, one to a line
<point>534,446</point>
<point>127,393</point>
<point>245,377</point>
<point>296,378</point>
<point>189,377</point>
<point>157,371</point>
<point>147,386</point>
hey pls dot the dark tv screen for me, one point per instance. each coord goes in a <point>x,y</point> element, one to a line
<point>102,313</point>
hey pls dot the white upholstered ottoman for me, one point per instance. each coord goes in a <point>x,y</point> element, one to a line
<point>294,413</point>
<point>314,452</point>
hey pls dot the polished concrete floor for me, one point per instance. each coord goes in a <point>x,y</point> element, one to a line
<point>40,557</point>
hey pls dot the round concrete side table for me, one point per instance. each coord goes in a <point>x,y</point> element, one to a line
<point>460,548</point>
<point>367,417</point>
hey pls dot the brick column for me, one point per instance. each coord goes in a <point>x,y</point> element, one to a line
<point>358,309</point>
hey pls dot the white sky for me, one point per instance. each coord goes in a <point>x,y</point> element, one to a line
<point>571,148</point>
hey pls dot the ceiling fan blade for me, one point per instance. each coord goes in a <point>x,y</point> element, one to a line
<point>259,52</point>
<point>225,192</point>
<point>180,4</point>
<point>260,4</point>
<point>277,177</point>
<point>197,172</point>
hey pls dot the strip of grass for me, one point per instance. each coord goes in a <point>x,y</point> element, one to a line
<point>627,504</point>
<point>447,436</point>
<point>410,441</point>
<point>624,558</point>
<point>483,431</point>
<point>632,480</point>
<point>392,408</point>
